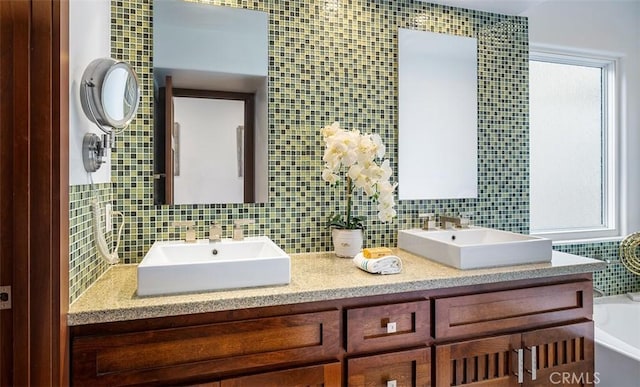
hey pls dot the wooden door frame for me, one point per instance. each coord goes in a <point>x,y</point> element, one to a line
<point>34,197</point>
<point>249,131</point>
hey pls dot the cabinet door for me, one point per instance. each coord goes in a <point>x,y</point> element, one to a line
<point>483,362</point>
<point>328,375</point>
<point>561,356</point>
<point>403,368</point>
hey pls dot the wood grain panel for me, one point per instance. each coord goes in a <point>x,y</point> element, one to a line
<point>479,362</point>
<point>325,375</point>
<point>407,368</point>
<point>33,193</point>
<point>367,326</point>
<point>185,352</point>
<point>565,350</point>
<point>503,311</point>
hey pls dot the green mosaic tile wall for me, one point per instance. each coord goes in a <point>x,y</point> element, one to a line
<point>326,65</point>
<point>329,64</point>
<point>84,264</point>
<point>615,279</point>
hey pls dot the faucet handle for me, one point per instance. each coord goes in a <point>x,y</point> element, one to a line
<point>238,233</point>
<point>465,219</point>
<point>215,232</point>
<point>184,223</point>
<point>428,220</point>
<point>190,235</point>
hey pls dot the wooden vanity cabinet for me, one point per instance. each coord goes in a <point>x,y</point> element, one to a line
<point>481,335</point>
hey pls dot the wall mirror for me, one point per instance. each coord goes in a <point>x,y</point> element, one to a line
<point>210,68</point>
<point>109,93</point>
<point>438,118</point>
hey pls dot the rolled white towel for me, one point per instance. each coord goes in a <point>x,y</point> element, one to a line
<point>389,264</point>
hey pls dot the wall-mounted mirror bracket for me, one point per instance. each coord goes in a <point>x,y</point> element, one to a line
<point>94,150</point>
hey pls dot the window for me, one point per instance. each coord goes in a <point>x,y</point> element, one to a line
<point>573,187</point>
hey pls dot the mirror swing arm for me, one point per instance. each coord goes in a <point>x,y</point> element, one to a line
<point>93,147</point>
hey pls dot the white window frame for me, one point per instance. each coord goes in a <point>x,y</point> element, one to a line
<point>611,149</point>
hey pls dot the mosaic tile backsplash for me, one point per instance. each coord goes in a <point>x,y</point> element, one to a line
<point>615,279</point>
<point>85,266</point>
<point>332,63</point>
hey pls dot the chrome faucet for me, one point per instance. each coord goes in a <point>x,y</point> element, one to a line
<point>215,232</point>
<point>238,231</point>
<point>449,222</point>
<point>190,234</point>
<point>428,221</point>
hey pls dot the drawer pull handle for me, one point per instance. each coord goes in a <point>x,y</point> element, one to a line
<point>392,383</point>
<point>520,372</point>
<point>534,362</point>
<point>391,328</point>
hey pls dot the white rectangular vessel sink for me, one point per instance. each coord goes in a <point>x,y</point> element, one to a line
<point>475,247</point>
<point>180,267</point>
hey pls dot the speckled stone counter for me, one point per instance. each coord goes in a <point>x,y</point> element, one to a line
<point>314,277</point>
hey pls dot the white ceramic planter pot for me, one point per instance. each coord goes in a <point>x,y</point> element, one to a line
<point>346,243</point>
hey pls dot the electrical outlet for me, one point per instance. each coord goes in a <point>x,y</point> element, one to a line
<point>108,217</point>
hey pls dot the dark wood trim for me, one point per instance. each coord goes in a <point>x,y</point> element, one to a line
<point>169,157</point>
<point>249,133</point>
<point>211,94</point>
<point>34,193</point>
<point>41,155</point>
<point>20,182</point>
<point>7,96</point>
<point>249,149</point>
<point>62,361</point>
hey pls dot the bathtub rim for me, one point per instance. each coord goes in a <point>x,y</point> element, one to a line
<point>609,341</point>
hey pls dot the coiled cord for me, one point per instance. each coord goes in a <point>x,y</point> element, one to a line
<point>98,234</point>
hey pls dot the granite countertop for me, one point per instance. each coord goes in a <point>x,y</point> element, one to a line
<point>314,277</point>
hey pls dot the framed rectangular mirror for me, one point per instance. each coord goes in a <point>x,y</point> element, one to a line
<point>438,116</point>
<point>216,61</point>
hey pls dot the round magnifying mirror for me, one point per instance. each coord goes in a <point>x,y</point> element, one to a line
<point>110,93</point>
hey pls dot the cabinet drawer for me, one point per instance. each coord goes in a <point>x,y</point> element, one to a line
<point>184,352</point>
<point>327,375</point>
<point>388,326</point>
<point>405,368</point>
<point>517,309</point>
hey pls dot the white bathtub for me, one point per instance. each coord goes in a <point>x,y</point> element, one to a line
<point>617,337</point>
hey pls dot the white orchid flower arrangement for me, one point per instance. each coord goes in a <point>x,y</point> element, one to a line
<point>361,156</point>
